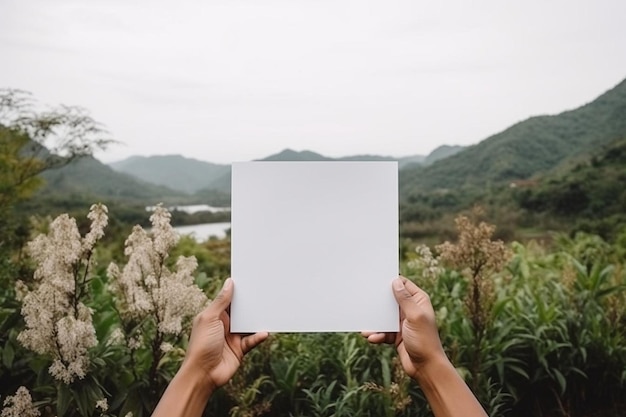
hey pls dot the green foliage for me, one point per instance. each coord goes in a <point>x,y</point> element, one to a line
<point>34,141</point>
<point>91,179</point>
<point>585,196</point>
<point>18,174</point>
<point>553,342</point>
<point>525,149</point>
<point>591,194</point>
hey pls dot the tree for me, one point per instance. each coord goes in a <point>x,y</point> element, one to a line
<point>34,140</point>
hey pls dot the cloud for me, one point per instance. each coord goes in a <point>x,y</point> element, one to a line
<point>240,79</point>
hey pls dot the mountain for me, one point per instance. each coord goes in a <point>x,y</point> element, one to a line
<point>291,155</point>
<point>222,183</point>
<point>203,179</point>
<point>173,171</point>
<point>402,162</point>
<point>90,178</point>
<point>528,148</point>
<point>413,159</point>
<point>441,152</point>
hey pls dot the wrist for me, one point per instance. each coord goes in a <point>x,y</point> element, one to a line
<point>197,379</point>
<point>429,371</point>
<point>446,392</point>
<point>186,395</point>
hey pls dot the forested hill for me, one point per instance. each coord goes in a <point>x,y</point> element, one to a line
<point>205,178</point>
<point>222,184</point>
<point>590,195</point>
<point>89,178</point>
<point>441,152</point>
<point>527,148</point>
<point>173,171</point>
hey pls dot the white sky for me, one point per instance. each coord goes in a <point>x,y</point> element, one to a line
<point>229,80</point>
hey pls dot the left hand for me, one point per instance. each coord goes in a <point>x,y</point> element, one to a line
<point>213,349</point>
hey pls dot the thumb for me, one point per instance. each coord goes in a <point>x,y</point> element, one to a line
<point>223,299</point>
<point>402,295</point>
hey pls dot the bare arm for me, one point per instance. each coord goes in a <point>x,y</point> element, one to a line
<point>423,357</point>
<point>213,356</point>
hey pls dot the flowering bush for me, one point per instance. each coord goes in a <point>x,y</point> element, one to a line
<point>58,324</point>
<point>152,307</point>
<point>20,405</point>
<point>533,331</point>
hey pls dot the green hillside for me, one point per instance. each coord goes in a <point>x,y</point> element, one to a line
<point>443,151</point>
<point>90,178</point>
<point>291,155</point>
<point>528,148</point>
<point>590,196</point>
<point>74,187</point>
<point>203,179</point>
<point>173,171</point>
<point>222,183</point>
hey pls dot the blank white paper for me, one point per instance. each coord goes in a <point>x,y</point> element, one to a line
<point>314,246</point>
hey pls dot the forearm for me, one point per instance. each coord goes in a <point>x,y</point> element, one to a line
<point>446,392</point>
<point>186,395</point>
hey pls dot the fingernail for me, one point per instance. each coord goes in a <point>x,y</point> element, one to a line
<point>398,284</point>
<point>228,284</point>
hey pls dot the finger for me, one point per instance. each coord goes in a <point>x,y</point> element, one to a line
<point>223,299</point>
<point>402,295</point>
<point>225,318</point>
<point>410,286</point>
<point>376,338</point>
<point>250,342</point>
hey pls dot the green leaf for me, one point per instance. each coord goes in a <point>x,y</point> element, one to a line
<point>63,399</point>
<point>386,371</point>
<point>518,370</point>
<point>8,354</point>
<point>560,380</point>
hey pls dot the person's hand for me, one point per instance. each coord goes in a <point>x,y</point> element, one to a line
<point>213,356</point>
<point>423,357</point>
<point>213,350</point>
<point>418,340</point>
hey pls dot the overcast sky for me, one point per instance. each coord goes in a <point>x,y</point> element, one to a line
<point>233,80</point>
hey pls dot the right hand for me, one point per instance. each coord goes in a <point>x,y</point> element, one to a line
<point>213,350</point>
<point>418,340</point>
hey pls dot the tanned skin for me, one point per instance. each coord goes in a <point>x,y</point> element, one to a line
<point>214,355</point>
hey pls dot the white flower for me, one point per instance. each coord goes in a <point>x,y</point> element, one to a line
<point>426,263</point>
<point>102,404</point>
<point>58,324</point>
<point>134,342</point>
<point>116,337</point>
<point>165,237</point>
<point>19,405</point>
<point>74,337</point>
<point>145,287</point>
<point>166,347</point>
<point>99,219</point>
<point>21,290</point>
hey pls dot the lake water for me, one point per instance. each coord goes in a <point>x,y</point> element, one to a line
<point>194,208</point>
<point>202,232</point>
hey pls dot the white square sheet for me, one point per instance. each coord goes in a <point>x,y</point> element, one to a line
<point>314,246</point>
